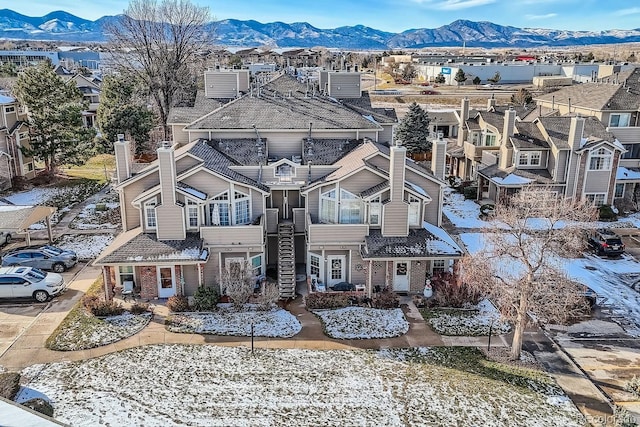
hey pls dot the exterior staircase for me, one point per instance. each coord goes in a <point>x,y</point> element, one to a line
<point>286,261</point>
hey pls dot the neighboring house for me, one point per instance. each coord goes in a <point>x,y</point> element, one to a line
<point>615,101</point>
<point>573,156</point>
<point>286,179</point>
<point>90,89</point>
<point>14,133</point>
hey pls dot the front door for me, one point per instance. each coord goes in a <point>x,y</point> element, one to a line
<point>166,282</point>
<point>337,269</point>
<point>401,276</point>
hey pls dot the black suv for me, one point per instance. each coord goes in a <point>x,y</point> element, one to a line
<point>605,242</point>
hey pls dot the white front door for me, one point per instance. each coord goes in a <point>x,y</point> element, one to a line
<point>166,282</point>
<point>336,269</point>
<point>401,276</point>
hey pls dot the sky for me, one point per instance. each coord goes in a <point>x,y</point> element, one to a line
<point>387,15</point>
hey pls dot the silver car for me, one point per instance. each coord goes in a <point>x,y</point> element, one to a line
<point>27,282</point>
<point>45,258</point>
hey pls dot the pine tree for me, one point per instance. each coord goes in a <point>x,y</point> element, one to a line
<point>440,78</point>
<point>460,77</point>
<point>54,117</point>
<point>413,130</point>
<point>121,111</point>
<point>496,78</point>
<point>476,80</point>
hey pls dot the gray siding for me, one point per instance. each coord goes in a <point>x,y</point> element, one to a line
<point>395,217</point>
<point>386,135</point>
<point>344,85</point>
<point>185,163</point>
<point>313,204</point>
<point>361,181</point>
<point>257,207</point>
<point>131,191</point>
<point>210,271</point>
<point>597,181</point>
<point>190,273</point>
<point>432,213</point>
<point>207,182</point>
<point>171,225</point>
<point>221,84</point>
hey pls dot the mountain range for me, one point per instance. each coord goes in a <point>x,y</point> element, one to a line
<point>64,27</point>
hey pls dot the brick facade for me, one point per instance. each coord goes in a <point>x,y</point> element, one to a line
<point>179,290</point>
<point>148,282</point>
<point>612,180</point>
<point>418,275</point>
<point>110,277</point>
<point>582,170</point>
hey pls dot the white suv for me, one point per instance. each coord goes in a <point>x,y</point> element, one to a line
<point>25,282</point>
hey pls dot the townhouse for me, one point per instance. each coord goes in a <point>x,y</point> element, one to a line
<point>299,178</point>
<point>14,133</point>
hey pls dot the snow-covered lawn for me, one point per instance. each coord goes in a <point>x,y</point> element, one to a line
<point>472,322</point>
<point>363,322</point>
<point>227,321</point>
<point>91,218</point>
<point>85,331</point>
<point>463,213</point>
<point>35,196</point>
<point>87,246</point>
<point>171,385</point>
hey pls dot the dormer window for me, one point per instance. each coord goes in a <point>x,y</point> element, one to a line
<point>414,211</point>
<point>600,160</point>
<point>284,172</point>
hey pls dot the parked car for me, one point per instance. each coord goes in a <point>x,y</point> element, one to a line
<point>45,257</point>
<point>343,287</point>
<point>605,242</point>
<point>5,237</point>
<point>28,282</point>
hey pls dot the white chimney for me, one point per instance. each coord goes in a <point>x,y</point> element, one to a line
<point>170,216</point>
<point>438,156</point>
<point>576,130</point>
<point>509,125</point>
<point>122,151</point>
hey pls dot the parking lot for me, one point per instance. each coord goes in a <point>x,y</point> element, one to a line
<point>17,315</point>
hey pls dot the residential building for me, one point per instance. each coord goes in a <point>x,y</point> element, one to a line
<point>295,181</point>
<point>14,134</point>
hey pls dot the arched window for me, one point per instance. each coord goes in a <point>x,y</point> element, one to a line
<point>600,160</point>
<point>350,208</point>
<point>219,210</point>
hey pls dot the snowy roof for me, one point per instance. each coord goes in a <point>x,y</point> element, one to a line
<point>6,99</point>
<point>624,174</point>
<point>430,242</point>
<point>511,179</point>
<point>145,248</point>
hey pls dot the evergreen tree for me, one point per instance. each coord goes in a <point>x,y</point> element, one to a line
<point>476,80</point>
<point>413,130</point>
<point>440,78</point>
<point>122,111</point>
<point>54,117</point>
<point>460,77</point>
<point>496,78</point>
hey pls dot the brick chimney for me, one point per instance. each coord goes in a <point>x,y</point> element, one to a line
<point>122,150</point>
<point>170,216</point>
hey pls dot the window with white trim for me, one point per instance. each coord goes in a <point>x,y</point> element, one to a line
<point>328,207</point>
<point>256,265</point>
<point>29,166</point>
<point>284,172</point>
<point>597,199</point>
<point>350,208</point>
<point>9,109</point>
<point>619,190</point>
<point>489,139</point>
<point>438,265</point>
<point>241,210</point>
<point>193,215</point>
<point>375,208</point>
<point>529,158</point>
<point>600,159</point>
<point>414,210</point>
<point>619,120</point>
<point>125,273</point>
<point>219,210</point>
<point>314,265</point>
<point>150,214</point>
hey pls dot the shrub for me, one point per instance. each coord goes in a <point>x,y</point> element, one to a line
<point>90,300</point>
<point>206,298</point>
<point>9,384</point>
<point>323,300</point>
<point>607,213</point>
<point>448,293</point>
<point>487,209</point>
<point>269,296</point>
<point>139,308</point>
<point>454,181</point>
<point>178,303</point>
<point>470,192</point>
<point>39,405</point>
<point>633,386</point>
<point>385,300</point>
<point>106,308</point>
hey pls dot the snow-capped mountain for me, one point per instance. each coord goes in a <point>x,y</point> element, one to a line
<point>63,26</point>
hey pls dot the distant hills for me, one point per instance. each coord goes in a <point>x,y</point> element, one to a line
<point>65,27</point>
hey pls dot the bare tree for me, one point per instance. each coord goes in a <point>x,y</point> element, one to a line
<point>238,283</point>
<point>157,41</point>
<point>520,268</point>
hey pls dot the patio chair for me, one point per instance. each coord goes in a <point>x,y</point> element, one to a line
<point>127,290</point>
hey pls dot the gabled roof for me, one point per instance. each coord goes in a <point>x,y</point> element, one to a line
<point>614,93</point>
<point>284,103</point>
<point>516,177</point>
<point>201,107</point>
<point>558,129</point>
<point>529,137</point>
<point>136,247</point>
<point>420,243</point>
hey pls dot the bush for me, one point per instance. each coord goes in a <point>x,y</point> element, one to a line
<point>448,293</point>
<point>90,300</point>
<point>9,384</point>
<point>323,300</point>
<point>607,213</point>
<point>385,300</point>
<point>206,298</point>
<point>39,405</point>
<point>106,308</point>
<point>139,308</point>
<point>633,386</point>
<point>487,209</point>
<point>470,192</point>
<point>178,303</point>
